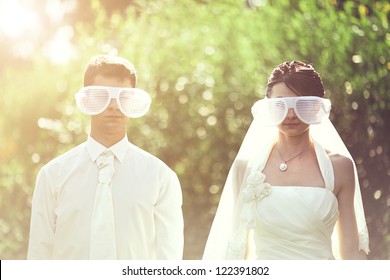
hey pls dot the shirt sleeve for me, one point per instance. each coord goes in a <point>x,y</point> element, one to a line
<point>42,226</point>
<point>169,219</point>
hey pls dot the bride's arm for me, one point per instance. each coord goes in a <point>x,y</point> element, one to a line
<point>344,191</point>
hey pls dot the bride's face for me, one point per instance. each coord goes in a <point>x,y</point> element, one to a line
<point>291,125</point>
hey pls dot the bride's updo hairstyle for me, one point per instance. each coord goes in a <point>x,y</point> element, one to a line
<point>299,77</point>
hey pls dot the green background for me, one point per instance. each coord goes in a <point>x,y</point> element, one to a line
<point>204,63</point>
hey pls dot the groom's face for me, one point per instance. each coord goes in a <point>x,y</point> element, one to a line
<point>111,120</point>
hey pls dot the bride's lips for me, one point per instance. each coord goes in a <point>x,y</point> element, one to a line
<point>291,124</point>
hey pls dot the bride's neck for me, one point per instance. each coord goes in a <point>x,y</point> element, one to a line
<point>293,143</point>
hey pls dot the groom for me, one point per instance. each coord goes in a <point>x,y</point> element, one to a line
<point>106,198</point>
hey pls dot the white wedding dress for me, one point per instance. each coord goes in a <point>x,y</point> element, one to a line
<point>296,222</point>
<point>284,222</point>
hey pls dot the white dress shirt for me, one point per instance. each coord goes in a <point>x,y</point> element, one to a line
<point>147,201</point>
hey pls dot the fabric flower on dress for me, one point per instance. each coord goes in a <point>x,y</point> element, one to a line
<point>255,190</point>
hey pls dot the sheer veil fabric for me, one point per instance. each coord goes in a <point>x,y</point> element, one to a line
<point>228,235</point>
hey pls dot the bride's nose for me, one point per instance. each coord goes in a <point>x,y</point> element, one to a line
<point>291,114</point>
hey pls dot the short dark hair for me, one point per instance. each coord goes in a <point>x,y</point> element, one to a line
<point>109,66</point>
<point>299,77</point>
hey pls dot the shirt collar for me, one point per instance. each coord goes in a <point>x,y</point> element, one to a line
<point>95,148</point>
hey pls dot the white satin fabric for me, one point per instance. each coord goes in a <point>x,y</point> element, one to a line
<point>296,222</point>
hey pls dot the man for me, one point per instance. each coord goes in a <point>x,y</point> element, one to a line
<point>106,198</point>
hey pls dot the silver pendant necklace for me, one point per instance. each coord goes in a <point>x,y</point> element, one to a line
<point>283,166</point>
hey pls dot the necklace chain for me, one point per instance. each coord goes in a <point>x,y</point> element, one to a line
<point>283,166</point>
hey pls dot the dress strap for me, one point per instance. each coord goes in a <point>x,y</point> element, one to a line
<point>326,166</point>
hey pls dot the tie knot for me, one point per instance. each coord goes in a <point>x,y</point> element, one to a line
<point>105,158</point>
<point>105,163</point>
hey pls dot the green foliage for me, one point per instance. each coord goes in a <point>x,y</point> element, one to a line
<point>204,63</point>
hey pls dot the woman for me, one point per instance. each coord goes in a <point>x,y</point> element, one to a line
<point>293,183</point>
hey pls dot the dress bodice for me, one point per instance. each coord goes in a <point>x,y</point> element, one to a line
<point>295,223</point>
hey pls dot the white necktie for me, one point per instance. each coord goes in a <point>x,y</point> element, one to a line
<point>103,241</point>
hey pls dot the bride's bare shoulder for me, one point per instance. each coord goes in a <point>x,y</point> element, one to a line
<point>343,171</point>
<point>340,160</point>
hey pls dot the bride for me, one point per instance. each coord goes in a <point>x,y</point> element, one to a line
<point>292,191</point>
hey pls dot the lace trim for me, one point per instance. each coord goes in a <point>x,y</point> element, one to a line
<point>364,240</point>
<point>236,247</point>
